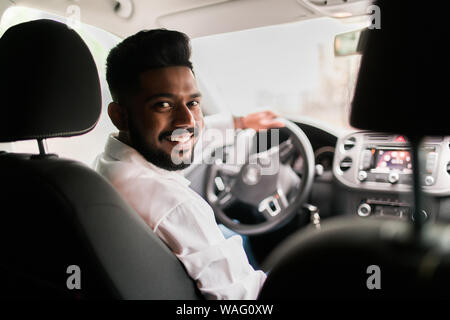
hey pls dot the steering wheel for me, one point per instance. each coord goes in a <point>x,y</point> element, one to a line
<point>265,180</point>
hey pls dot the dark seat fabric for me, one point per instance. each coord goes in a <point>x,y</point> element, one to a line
<point>57,213</point>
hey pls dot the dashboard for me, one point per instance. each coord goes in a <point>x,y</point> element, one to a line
<point>376,171</point>
<point>368,174</point>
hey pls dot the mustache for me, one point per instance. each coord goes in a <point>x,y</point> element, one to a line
<point>192,130</point>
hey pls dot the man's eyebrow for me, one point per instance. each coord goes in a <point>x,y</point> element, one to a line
<point>159,95</point>
<point>170,95</point>
<point>196,95</point>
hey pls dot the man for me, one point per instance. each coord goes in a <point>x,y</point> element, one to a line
<point>157,111</point>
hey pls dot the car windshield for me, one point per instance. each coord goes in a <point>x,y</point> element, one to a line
<point>288,68</point>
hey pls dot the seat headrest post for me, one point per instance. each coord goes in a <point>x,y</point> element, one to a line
<point>42,144</point>
<point>416,215</point>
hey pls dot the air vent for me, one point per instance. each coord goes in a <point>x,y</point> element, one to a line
<point>349,143</point>
<point>346,164</point>
<point>378,137</point>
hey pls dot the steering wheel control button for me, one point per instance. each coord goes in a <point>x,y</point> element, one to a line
<point>364,210</point>
<point>393,177</point>
<point>362,176</point>
<point>429,180</point>
<point>270,204</point>
<point>219,183</point>
<point>252,175</point>
<point>225,199</point>
<point>319,170</point>
<point>264,160</point>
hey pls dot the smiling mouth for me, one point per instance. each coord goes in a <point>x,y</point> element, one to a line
<point>180,138</point>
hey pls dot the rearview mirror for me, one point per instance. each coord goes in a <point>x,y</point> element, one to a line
<point>349,43</point>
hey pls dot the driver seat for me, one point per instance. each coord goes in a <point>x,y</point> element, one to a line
<point>399,91</point>
<point>58,213</point>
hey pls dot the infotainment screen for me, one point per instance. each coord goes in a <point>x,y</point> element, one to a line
<point>390,159</point>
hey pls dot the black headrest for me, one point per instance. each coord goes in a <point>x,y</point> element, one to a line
<point>403,79</point>
<point>49,85</point>
<point>338,261</point>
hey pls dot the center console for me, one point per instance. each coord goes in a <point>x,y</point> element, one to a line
<point>375,170</point>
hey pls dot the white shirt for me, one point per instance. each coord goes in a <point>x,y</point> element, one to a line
<point>183,220</point>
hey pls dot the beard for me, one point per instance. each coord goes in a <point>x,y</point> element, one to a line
<point>159,157</point>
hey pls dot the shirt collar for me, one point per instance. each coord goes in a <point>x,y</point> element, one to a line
<point>120,151</point>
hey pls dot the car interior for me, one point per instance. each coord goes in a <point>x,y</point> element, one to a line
<point>364,165</point>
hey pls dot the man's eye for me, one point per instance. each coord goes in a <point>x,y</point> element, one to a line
<point>193,104</point>
<point>162,105</point>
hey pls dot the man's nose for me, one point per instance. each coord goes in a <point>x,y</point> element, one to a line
<point>183,117</point>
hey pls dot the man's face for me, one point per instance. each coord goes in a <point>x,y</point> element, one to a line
<point>164,118</point>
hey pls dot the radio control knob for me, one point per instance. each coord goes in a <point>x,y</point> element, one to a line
<point>362,175</point>
<point>364,210</point>
<point>393,177</point>
<point>429,180</point>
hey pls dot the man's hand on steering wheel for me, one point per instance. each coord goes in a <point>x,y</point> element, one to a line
<point>258,121</point>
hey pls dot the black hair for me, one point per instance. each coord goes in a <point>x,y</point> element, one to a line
<point>143,51</point>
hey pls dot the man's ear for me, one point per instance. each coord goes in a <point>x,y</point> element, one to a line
<point>118,116</point>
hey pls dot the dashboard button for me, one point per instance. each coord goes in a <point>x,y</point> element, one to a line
<point>431,162</point>
<point>366,159</point>
<point>362,175</point>
<point>429,180</point>
<point>364,210</point>
<point>393,177</point>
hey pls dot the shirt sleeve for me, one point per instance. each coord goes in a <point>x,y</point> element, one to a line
<point>219,266</point>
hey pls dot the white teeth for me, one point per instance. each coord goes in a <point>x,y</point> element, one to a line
<point>180,138</point>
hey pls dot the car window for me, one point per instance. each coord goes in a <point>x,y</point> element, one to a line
<point>85,147</point>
